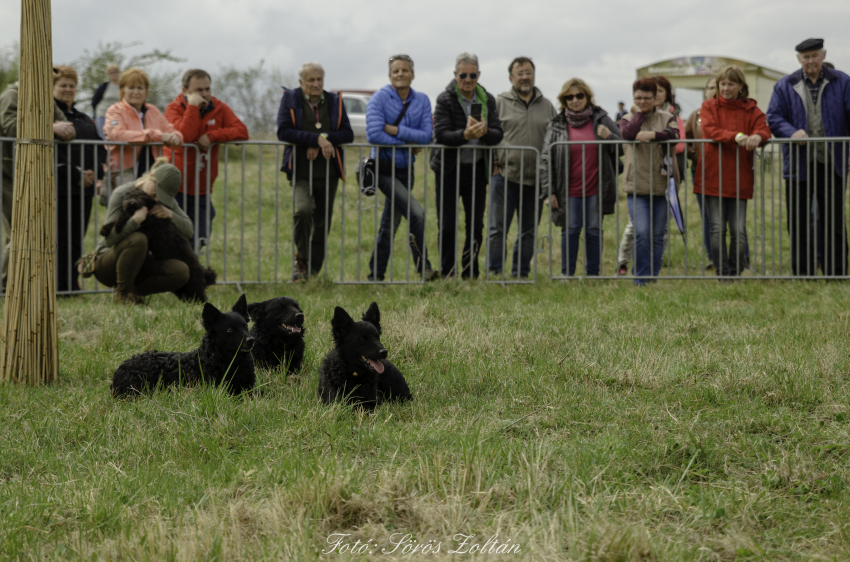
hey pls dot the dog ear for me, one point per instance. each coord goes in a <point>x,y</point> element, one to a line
<point>373,316</point>
<point>241,307</point>
<point>255,311</point>
<point>210,315</point>
<point>340,323</point>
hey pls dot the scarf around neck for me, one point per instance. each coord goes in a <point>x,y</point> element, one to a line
<point>480,97</point>
<point>579,119</point>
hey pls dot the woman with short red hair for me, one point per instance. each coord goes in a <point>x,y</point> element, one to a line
<point>645,176</point>
<point>134,120</point>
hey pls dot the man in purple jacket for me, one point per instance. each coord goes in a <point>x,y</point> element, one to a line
<point>813,102</point>
<point>316,122</point>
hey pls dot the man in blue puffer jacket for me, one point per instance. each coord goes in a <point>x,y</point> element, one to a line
<point>813,102</point>
<point>395,165</point>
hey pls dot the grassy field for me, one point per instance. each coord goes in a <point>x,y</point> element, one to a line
<point>592,421</point>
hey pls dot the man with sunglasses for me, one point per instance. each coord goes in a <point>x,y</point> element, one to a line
<point>524,114</point>
<point>465,115</point>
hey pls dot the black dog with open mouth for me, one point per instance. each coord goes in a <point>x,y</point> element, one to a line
<point>279,333</point>
<point>357,368</point>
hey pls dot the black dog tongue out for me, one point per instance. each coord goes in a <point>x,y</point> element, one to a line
<point>377,365</point>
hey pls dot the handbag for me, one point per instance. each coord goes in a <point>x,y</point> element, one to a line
<point>365,169</point>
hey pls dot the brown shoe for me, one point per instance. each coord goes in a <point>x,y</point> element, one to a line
<point>299,269</point>
<point>122,297</point>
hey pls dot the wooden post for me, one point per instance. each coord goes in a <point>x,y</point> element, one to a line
<point>30,352</point>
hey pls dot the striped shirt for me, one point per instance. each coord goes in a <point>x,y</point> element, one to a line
<point>814,87</point>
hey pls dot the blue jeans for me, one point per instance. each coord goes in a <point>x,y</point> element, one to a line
<point>503,203</point>
<point>706,226</point>
<point>200,226</point>
<point>394,210</point>
<point>649,217</point>
<point>579,216</point>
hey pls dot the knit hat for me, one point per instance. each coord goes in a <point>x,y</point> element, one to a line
<point>168,182</point>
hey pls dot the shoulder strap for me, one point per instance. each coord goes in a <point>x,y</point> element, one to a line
<point>404,106</point>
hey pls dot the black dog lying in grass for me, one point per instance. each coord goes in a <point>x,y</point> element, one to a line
<point>278,332</point>
<point>223,358</point>
<point>357,368</point>
<point>165,243</point>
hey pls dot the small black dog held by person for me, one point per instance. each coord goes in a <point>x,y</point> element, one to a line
<point>357,369</point>
<point>278,332</point>
<point>165,242</point>
<point>224,358</point>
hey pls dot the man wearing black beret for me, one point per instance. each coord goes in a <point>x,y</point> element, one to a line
<point>813,102</point>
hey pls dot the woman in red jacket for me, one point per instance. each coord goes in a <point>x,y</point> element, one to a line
<point>739,126</point>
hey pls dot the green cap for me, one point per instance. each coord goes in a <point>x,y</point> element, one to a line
<point>168,182</point>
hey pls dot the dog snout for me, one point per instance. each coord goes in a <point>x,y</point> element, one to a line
<point>299,317</point>
<point>382,354</point>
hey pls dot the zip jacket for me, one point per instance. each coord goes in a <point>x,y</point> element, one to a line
<point>123,125</point>
<point>415,128</point>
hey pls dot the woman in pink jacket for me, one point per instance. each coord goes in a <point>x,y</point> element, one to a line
<point>134,120</point>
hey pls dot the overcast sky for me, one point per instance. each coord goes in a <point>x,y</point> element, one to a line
<point>602,42</point>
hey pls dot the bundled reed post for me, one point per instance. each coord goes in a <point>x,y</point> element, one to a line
<point>30,344</point>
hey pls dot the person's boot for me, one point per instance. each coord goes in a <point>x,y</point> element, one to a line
<point>125,297</point>
<point>299,269</point>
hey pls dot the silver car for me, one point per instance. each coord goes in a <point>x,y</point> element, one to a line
<point>355,106</point>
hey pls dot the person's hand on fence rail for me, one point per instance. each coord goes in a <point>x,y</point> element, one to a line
<point>326,147</point>
<point>64,130</point>
<point>645,136</point>
<point>161,212</point>
<point>312,152</point>
<point>140,215</point>
<point>752,142</point>
<point>801,134</point>
<point>170,139</point>
<point>203,142</point>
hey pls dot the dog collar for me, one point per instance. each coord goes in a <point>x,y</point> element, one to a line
<point>355,374</point>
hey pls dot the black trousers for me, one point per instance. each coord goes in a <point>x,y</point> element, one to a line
<point>448,192</point>
<point>70,232</point>
<point>826,187</point>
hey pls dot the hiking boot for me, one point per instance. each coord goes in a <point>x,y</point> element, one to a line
<point>431,274</point>
<point>623,269</point>
<point>299,269</point>
<point>123,297</point>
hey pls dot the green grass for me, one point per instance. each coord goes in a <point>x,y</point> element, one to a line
<point>592,421</point>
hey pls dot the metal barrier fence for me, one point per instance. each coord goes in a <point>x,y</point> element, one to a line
<point>255,239</point>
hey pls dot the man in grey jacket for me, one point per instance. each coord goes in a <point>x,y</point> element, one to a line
<point>524,114</point>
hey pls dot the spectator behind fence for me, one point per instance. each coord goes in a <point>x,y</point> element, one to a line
<point>122,260</point>
<point>134,120</point>
<point>648,168</point>
<point>105,96</point>
<point>813,102</point>
<point>395,100</point>
<point>454,125</point>
<point>664,101</point>
<point>202,120</point>
<point>736,122</point>
<point>693,130</point>
<point>524,114</point>
<point>319,162</point>
<point>572,174</point>
<point>78,168</point>
<point>621,111</point>
<point>62,130</point>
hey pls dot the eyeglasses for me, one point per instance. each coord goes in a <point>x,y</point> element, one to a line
<point>526,74</point>
<point>569,97</point>
<point>472,75</point>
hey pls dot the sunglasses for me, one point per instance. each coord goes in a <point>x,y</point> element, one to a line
<point>401,57</point>
<point>472,75</point>
<point>569,97</point>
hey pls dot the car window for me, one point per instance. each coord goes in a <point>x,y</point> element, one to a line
<point>353,105</point>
